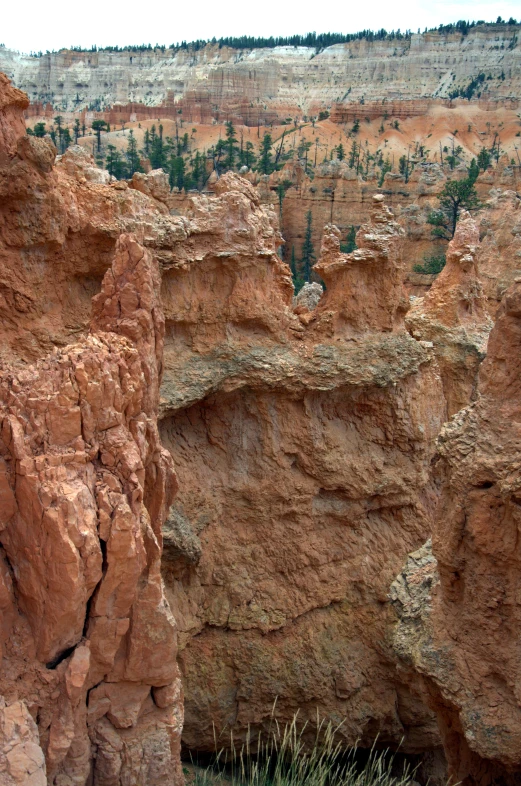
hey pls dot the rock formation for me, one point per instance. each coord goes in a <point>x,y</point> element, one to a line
<point>303,441</point>
<point>500,252</point>
<point>453,315</point>
<point>302,457</point>
<point>88,641</point>
<point>261,84</point>
<point>460,609</point>
<point>364,289</point>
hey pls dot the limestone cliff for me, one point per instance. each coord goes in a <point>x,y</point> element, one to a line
<point>263,84</point>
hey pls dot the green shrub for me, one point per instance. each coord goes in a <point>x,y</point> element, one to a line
<point>432,264</point>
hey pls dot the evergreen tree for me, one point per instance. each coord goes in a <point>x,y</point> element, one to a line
<point>457,195</point>
<point>98,126</point>
<point>218,154</point>
<point>265,163</point>
<point>197,177</point>
<point>298,281</point>
<point>132,155</point>
<point>176,172</point>
<point>114,163</point>
<point>484,158</point>
<point>231,145</point>
<point>76,130</point>
<point>473,170</point>
<point>66,139</point>
<point>39,129</point>
<point>308,252</point>
<point>146,142</point>
<point>340,154</point>
<point>247,156</point>
<point>350,242</point>
<point>157,148</point>
<point>58,122</point>
<point>353,153</point>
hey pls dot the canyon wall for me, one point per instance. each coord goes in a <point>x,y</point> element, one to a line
<point>260,85</point>
<point>302,445</point>
<point>459,604</point>
<point>136,340</point>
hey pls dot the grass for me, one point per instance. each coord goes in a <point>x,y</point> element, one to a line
<point>283,757</point>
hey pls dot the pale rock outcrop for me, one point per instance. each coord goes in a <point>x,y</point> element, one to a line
<point>308,297</point>
<point>453,315</point>
<point>255,85</point>
<point>460,612</point>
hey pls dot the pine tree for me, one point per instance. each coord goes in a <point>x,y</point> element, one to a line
<point>76,130</point>
<point>340,154</point>
<point>231,144</point>
<point>353,154</point>
<point>247,156</point>
<point>265,164</point>
<point>473,170</point>
<point>457,195</point>
<point>176,172</point>
<point>297,279</point>
<point>98,126</point>
<point>114,163</point>
<point>308,251</point>
<point>484,158</point>
<point>132,155</point>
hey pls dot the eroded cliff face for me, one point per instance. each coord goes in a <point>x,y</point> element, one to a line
<point>302,446</point>
<point>459,609</point>
<point>88,640</point>
<point>453,315</point>
<point>277,81</point>
<point>302,437</point>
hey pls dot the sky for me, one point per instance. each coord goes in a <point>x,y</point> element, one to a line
<point>33,25</point>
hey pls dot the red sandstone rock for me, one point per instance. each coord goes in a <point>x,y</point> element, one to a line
<point>302,456</point>
<point>81,451</point>
<point>453,315</point>
<point>461,635</point>
<point>364,289</point>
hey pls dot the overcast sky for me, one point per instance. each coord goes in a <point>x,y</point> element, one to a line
<point>33,25</point>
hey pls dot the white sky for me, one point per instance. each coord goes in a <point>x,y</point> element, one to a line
<point>33,25</point>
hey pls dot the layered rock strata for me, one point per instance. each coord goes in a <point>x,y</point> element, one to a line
<point>459,607</point>
<point>453,315</point>
<point>260,84</point>
<point>302,444</point>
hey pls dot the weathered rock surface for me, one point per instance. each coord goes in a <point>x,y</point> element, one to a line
<point>500,252</point>
<point>302,456</point>
<point>22,762</point>
<point>364,289</point>
<point>460,612</point>
<point>453,315</point>
<point>87,639</point>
